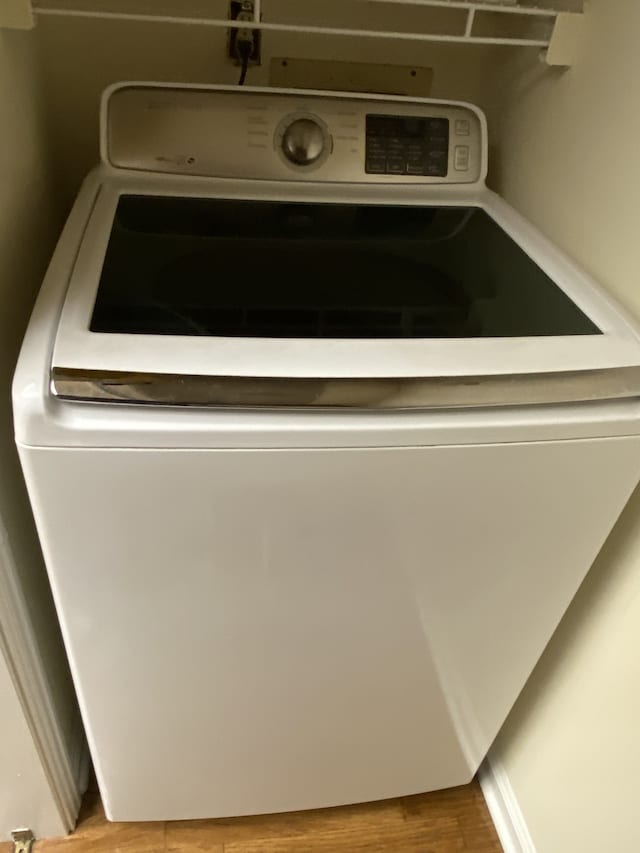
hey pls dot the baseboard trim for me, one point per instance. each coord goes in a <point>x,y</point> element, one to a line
<point>504,808</point>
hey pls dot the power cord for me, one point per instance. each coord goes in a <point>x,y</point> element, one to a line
<point>244,49</point>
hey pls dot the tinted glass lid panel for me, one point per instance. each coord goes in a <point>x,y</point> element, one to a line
<point>217,267</point>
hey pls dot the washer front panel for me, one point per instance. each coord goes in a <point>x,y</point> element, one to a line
<point>238,134</point>
<point>343,620</point>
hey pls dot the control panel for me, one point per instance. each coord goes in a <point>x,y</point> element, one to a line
<point>407,145</point>
<point>282,135</point>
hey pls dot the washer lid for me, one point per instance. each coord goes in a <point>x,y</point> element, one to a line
<point>212,300</point>
<point>207,267</point>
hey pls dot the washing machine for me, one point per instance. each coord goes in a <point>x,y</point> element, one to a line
<point>321,438</point>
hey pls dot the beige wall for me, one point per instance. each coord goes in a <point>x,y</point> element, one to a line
<point>570,147</point>
<point>83,56</point>
<point>29,221</point>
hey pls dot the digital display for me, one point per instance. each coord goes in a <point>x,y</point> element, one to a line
<point>407,145</point>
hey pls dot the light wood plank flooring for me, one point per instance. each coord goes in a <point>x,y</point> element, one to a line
<point>453,821</point>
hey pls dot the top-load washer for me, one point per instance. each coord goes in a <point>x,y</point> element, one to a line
<point>321,438</point>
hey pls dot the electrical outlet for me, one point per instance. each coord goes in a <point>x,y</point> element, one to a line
<point>22,840</point>
<point>243,10</point>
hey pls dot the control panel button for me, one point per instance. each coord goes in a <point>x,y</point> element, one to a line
<point>396,165</point>
<point>461,158</point>
<point>376,165</point>
<point>463,127</point>
<point>376,147</point>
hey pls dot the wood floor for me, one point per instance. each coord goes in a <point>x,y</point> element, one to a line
<point>453,821</point>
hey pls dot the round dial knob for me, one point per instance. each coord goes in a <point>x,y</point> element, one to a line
<point>303,142</point>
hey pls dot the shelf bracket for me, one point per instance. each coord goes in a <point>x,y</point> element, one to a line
<point>565,40</point>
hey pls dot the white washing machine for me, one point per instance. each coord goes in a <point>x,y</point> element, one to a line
<point>321,438</point>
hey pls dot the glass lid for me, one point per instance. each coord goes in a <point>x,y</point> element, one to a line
<point>258,269</point>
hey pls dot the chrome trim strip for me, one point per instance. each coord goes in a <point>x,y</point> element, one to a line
<point>401,393</point>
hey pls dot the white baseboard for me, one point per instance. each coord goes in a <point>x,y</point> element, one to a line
<point>504,808</point>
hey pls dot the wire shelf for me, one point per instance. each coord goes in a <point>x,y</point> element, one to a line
<point>549,28</point>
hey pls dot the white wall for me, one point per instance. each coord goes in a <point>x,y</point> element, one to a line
<point>570,160</point>
<point>29,221</point>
